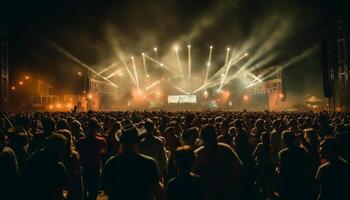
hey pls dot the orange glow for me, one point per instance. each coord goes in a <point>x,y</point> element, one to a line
<point>50,107</point>
<point>13,88</point>
<point>69,105</point>
<point>281,95</point>
<point>245,97</point>
<point>79,73</point>
<point>89,96</point>
<point>26,77</point>
<point>58,105</point>
<point>21,82</point>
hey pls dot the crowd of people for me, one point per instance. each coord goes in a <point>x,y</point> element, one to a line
<point>208,155</point>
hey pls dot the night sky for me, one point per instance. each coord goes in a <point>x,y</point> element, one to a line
<point>83,29</point>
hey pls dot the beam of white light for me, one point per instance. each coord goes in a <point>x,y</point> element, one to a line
<point>58,48</point>
<point>227,55</point>
<point>144,63</point>
<point>208,63</point>
<point>150,93</point>
<point>229,66</point>
<point>135,72</point>
<point>152,85</point>
<point>232,62</point>
<point>189,62</point>
<point>108,67</point>
<point>114,73</point>
<point>176,48</point>
<point>130,74</point>
<point>224,80</point>
<point>203,87</point>
<point>159,63</point>
<point>120,54</point>
<point>253,76</point>
<point>180,89</point>
<point>294,60</point>
<point>272,41</point>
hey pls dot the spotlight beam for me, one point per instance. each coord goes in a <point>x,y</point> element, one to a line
<point>135,72</point>
<point>180,89</point>
<point>152,85</point>
<point>253,76</point>
<point>189,62</point>
<point>225,80</point>
<point>227,55</point>
<point>113,74</point>
<point>208,64</point>
<point>178,60</point>
<point>229,66</point>
<point>144,63</point>
<point>61,50</point>
<point>234,61</point>
<point>130,74</point>
<point>108,67</point>
<point>159,63</point>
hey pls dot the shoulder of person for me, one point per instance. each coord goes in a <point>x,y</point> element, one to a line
<point>199,150</point>
<point>147,158</point>
<point>322,168</point>
<point>283,152</point>
<point>7,150</point>
<point>224,146</point>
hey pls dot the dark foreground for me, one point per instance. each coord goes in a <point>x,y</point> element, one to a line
<point>175,155</point>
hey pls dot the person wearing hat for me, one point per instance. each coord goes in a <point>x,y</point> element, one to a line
<point>130,175</point>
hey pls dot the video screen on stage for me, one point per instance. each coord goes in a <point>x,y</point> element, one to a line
<point>182,99</point>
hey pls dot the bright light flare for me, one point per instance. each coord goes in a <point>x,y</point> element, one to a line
<point>245,97</point>
<point>205,93</point>
<point>20,82</point>
<point>26,77</point>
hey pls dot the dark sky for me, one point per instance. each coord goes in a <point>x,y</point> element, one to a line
<point>80,27</point>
